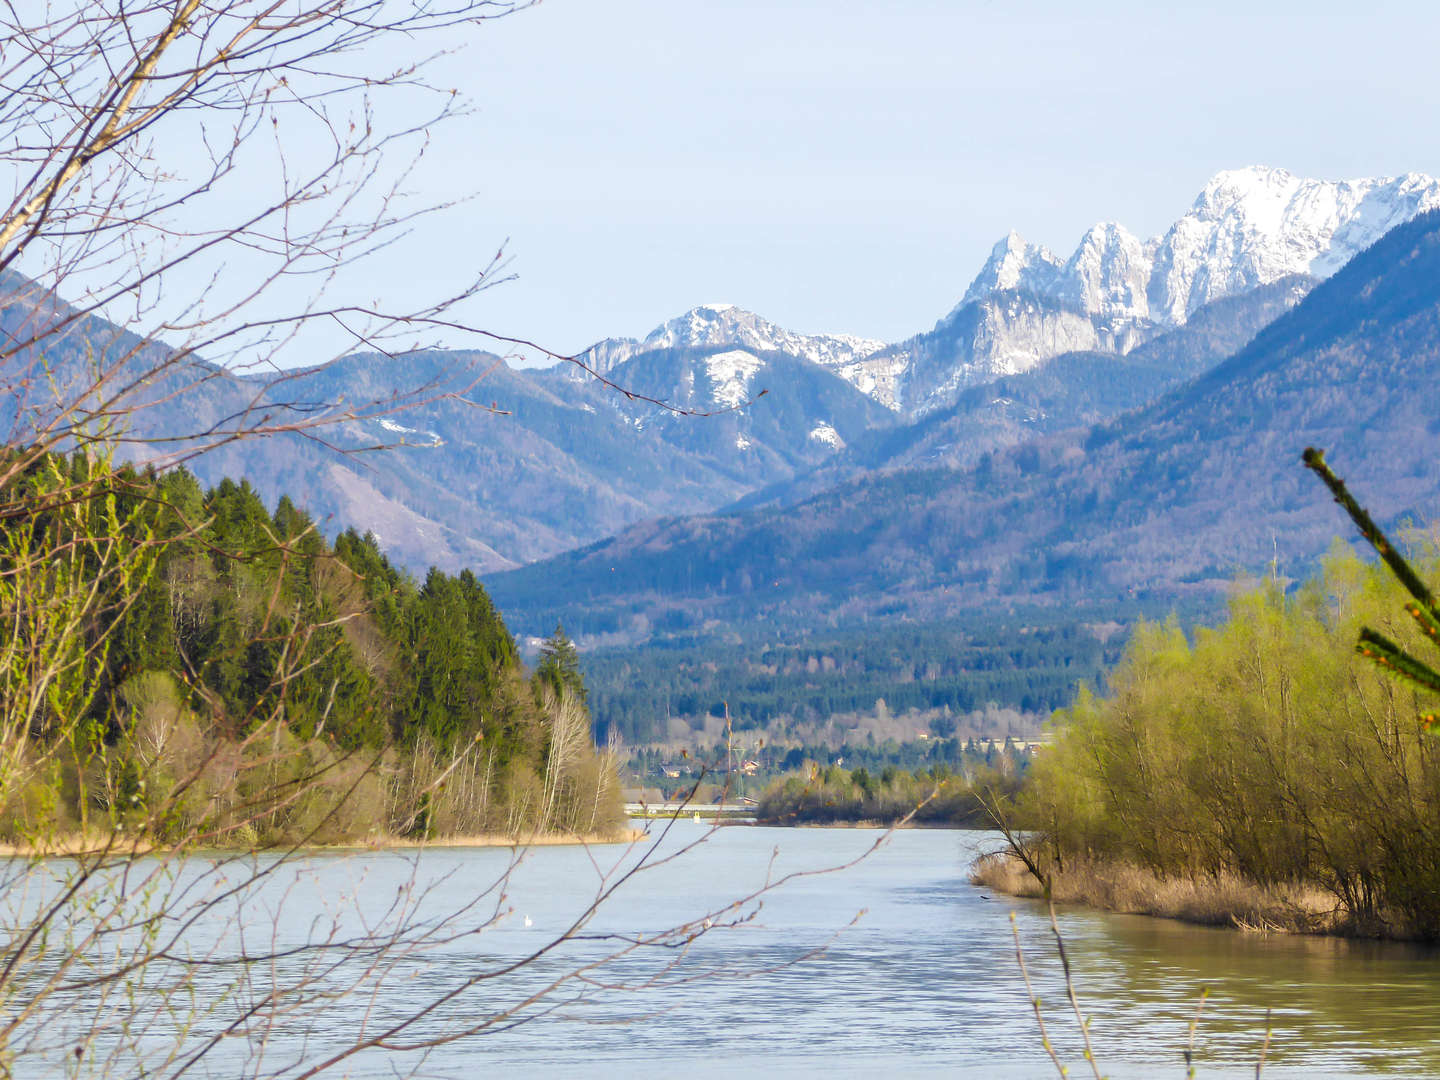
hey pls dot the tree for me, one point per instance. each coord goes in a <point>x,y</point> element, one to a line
<point>559,666</point>
<point>190,183</point>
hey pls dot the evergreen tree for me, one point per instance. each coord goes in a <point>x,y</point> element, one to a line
<point>559,666</point>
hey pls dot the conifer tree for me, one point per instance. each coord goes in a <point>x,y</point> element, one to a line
<point>559,666</point>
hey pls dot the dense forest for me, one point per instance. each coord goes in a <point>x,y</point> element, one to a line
<point>946,670</point>
<point>1266,751</point>
<point>237,655</point>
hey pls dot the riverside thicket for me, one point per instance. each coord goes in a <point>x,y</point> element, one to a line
<point>935,796</point>
<point>1265,750</point>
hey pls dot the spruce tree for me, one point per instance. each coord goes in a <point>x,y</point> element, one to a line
<point>559,666</point>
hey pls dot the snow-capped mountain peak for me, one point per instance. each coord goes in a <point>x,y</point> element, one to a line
<point>1108,274</point>
<point>1252,226</point>
<point>1015,264</point>
<point>725,324</point>
<point>1248,227</point>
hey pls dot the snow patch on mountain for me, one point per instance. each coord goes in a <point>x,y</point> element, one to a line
<point>400,429</point>
<point>825,433</point>
<point>880,376</point>
<point>730,374</point>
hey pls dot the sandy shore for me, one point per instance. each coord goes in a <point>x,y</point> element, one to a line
<point>77,844</point>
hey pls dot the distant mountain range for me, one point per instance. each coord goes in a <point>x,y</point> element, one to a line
<point>1038,345</point>
<point>1247,229</point>
<point>1172,498</point>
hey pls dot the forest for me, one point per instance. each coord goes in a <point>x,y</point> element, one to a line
<point>235,676</point>
<point>797,682</point>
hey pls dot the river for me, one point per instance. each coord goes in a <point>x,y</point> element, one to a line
<point>893,966</point>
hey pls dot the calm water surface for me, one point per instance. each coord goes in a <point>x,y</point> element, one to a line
<point>925,981</point>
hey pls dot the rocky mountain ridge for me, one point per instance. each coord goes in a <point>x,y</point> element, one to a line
<point>726,324</point>
<point>1248,228</point>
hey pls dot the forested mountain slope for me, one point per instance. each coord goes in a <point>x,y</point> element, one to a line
<point>1171,500</point>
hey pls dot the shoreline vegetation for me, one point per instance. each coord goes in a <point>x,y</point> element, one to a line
<point>937,796</point>
<point>1223,899</point>
<point>195,670</point>
<point>1261,774</point>
<point>74,844</point>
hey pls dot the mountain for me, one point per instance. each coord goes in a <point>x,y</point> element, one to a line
<point>1247,229</point>
<point>1168,501</point>
<point>484,466</point>
<point>1075,389</point>
<point>726,324</point>
<point>777,414</point>
<point>1038,344</point>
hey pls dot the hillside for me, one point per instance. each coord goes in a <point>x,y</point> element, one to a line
<point>484,466</point>
<point>491,468</point>
<point>1171,500</point>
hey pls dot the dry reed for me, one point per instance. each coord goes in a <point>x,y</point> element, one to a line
<point>1223,899</point>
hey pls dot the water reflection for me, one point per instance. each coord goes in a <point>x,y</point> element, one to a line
<point>1342,1005</point>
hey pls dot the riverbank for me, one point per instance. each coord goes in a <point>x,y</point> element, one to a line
<point>871,823</point>
<point>78,844</point>
<point>477,840</point>
<point>1221,900</point>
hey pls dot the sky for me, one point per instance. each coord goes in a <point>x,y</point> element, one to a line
<point>838,166</point>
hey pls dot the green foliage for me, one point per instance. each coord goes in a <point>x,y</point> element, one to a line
<point>1263,748</point>
<point>954,665</point>
<point>559,666</point>
<point>198,657</point>
<point>930,796</point>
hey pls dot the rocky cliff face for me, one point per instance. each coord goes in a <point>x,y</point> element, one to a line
<point>1247,229</point>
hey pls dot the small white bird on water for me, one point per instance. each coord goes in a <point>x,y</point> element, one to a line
<point>529,922</point>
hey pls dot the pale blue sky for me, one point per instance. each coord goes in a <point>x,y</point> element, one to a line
<point>843,166</point>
